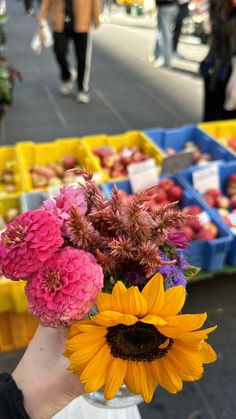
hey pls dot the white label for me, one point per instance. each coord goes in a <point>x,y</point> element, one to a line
<point>204,217</point>
<point>143,174</point>
<point>206,178</point>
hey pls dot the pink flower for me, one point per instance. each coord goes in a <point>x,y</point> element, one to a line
<point>65,288</point>
<point>28,242</point>
<point>61,205</point>
<point>178,239</point>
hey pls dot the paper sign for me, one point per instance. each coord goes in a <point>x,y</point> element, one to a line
<point>180,161</point>
<point>143,175</point>
<point>206,178</point>
<point>204,217</point>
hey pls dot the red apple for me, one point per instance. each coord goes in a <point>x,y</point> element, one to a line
<point>188,231</point>
<point>214,192</point>
<point>160,196</point>
<point>210,200</point>
<point>192,210</point>
<point>166,184</point>
<point>69,162</point>
<point>175,193</point>
<point>231,179</point>
<point>233,202</point>
<point>232,143</point>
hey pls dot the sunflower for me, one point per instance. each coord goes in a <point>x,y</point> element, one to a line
<point>141,340</point>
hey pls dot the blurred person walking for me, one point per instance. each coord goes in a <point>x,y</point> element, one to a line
<point>29,6</point>
<point>106,12</point>
<point>163,48</point>
<point>183,12</point>
<point>71,20</point>
<point>216,67</point>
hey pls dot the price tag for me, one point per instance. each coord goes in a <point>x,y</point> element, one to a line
<point>204,217</point>
<point>206,178</point>
<point>180,161</point>
<point>143,174</point>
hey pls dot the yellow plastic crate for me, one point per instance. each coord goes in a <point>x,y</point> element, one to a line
<point>9,202</point>
<point>128,139</point>
<point>30,153</point>
<point>12,296</point>
<point>220,131</point>
<point>16,330</point>
<point>8,154</point>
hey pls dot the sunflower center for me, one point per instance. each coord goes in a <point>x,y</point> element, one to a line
<point>139,342</point>
<point>52,281</point>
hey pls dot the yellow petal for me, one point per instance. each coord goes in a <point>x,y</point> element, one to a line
<point>139,380</point>
<point>195,338</point>
<point>117,296</point>
<point>151,319</point>
<point>187,322</point>
<point>207,354</point>
<point>93,375</point>
<point>165,375</point>
<point>170,331</point>
<point>132,302</point>
<point>75,328</point>
<point>103,302</point>
<point>85,353</point>
<point>174,301</point>
<point>87,339</point>
<point>114,377</point>
<point>186,362</point>
<point>153,292</point>
<point>112,318</point>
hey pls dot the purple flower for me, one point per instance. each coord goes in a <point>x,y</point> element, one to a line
<point>172,274</point>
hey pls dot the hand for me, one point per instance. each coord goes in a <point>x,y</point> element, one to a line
<point>42,376</point>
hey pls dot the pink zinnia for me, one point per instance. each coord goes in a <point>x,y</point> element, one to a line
<point>65,288</point>
<point>178,239</point>
<point>61,205</point>
<point>28,242</point>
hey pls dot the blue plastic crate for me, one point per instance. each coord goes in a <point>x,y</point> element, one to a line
<point>224,171</point>
<point>32,200</point>
<point>176,138</point>
<point>209,255</point>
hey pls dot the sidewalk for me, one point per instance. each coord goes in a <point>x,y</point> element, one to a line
<point>127,92</point>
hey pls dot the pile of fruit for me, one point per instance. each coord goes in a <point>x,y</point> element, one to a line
<point>168,191</point>
<point>198,156</point>
<point>225,204</point>
<point>54,174</point>
<point>229,142</point>
<point>9,216</point>
<point>7,178</point>
<point>116,162</point>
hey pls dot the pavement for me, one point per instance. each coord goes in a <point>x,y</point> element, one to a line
<point>128,93</point>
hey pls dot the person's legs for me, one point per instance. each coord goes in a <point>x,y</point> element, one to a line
<point>158,50</point>
<point>28,6</point>
<point>182,14</point>
<point>167,19</point>
<point>82,50</point>
<point>213,100</point>
<point>61,41</point>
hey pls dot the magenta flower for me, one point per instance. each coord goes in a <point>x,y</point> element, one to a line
<point>178,239</point>
<point>65,288</point>
<point>28,242</point>
<point>61,205</point>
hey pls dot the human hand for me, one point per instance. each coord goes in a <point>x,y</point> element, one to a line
<point>42,376</point>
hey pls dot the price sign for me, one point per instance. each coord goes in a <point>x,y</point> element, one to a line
<point>174,164</point>
<point>143,175</point>
<point>207,178</point>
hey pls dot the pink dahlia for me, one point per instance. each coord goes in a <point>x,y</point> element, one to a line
<point>65,288</point>
<point>28,242</point>
<point>61,205</point>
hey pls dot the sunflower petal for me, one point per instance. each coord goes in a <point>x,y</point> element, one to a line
<point>112,318</point>
<point>118,291</point>
<point>195,338</point>
<point>207,353</point>
<point>132,302</point>
<point>152,319</point>
<point>187,322</point>
<point>114,377</point>
<point>186,361</point>
<point>93,375</point>
<point>139,380</point>
<point>153,292</point>
<point>75,328</point>
<point>83,339</point>
<point>174,301</point>
<point>166,376</point>
<point>86,352</point>
<point>104,301</point>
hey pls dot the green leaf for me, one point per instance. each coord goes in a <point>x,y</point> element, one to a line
<point>191,272</point>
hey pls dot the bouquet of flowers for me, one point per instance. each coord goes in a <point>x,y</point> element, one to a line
<point>81,251</point>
